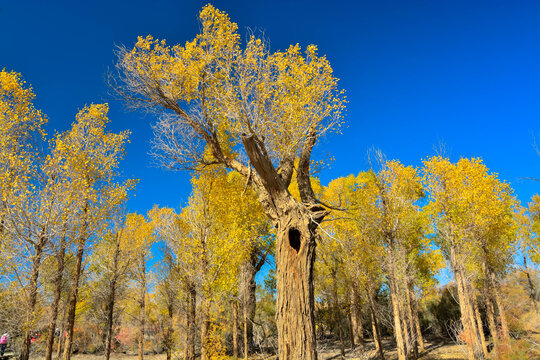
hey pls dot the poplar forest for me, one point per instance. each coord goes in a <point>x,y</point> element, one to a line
<point>263,261</point>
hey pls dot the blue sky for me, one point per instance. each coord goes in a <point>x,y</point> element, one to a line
<point>417,74</point>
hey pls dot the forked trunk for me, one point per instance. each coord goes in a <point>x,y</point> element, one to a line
<point>469,334</point>
<point>295,254</point>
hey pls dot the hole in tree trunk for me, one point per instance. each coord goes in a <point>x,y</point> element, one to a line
<point>294,239</point>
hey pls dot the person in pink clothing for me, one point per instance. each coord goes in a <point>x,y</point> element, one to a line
<point>3,343</point>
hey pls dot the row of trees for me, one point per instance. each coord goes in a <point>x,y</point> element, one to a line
<point>469,218</point>
<point>54,202</point>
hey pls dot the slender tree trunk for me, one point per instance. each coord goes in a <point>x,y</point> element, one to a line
<point>416,315</point>
<point>295,254</point>
<point>479,324</point>
<point>111,301</point>
<point>532,290</point>
<point>250,288</point>
<point>142,302</point>
<point>234,305</point>
<point>61,339</point>
<point>60,257</point>
<point>246,323</point>
<point>249,299</point>
<point>505,333</point>
<point>170,330</point>
<point>191,302</point>
<point>32,298</point>
<point>377,339</point>
<point>72,302</point>
<point>490,313</point>
<point>110,320</point>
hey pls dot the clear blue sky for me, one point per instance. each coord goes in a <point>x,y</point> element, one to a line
<point>417,73</point>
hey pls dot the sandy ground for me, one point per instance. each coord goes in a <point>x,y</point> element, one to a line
<point>434,351</point>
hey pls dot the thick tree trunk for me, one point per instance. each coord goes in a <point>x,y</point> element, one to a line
<point>142,313</point>
<point>295,254</point>
<point>72,302</point>
<point>60,257</point>
<point>394,297</point>
<point>351,334</point>
<point>234,305</point>
<point>410,319</point>
<point>205,329</point>
<point>356,318</point>
<point>470,331</point>
<point>404,319</point>
<point>32,299</point>
<point>191,302</point>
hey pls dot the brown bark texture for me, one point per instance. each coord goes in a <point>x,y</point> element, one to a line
<point>234,305</point>
<point>356,318</point>
<point>111,302</point>
<point>191,307</point>
<point>416,317</point>
<point>32,298</point>
<point>60,258</point>
<point>142,304</point>
<point>295,254</point>
<point>72,302</point>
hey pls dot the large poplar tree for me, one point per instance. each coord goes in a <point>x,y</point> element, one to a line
<point>212,97</point>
